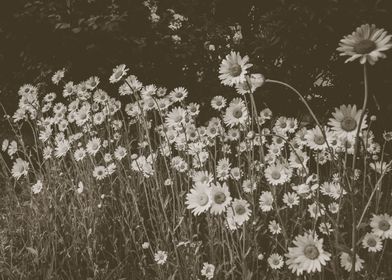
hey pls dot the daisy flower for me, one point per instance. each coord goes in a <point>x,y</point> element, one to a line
<point>160,257</point>
<point>274,227</point>
<point>366,43</point>
<point>118,72</point>
<point>382,226</point>
<point>380,167</point>
<point>37,187</point>
<point>218,102</point>
<point>266,201</point>
<point>248,186</point>
<point>236,114</point>
<point>345,121</point>
<point>58,76</point>
<point>176,117</point>
<point>79,154</point>
<point>199,199</point>
<point>372,242</point>
<point>291,199</point>
<point>223,169</point>
<point>202,177</point>
<point>315,139</point>
<point>120,153</point>
<point>241,211</point>
<point>325,228</point>
<point>61,149</point>
<point>93,146</point>
<point>307,255</point>
<point>220,198</point>
<point>178,94</point>
<point>346,262</point>
<point>99,172</point>
<point>20,168</point>
<point>208,270</point>
<point>233,69</point>
<point>275,174</point>
<point>333,207</point>
<point>275,261</point>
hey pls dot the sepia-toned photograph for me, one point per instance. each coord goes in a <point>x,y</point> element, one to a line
<point>195,140</point>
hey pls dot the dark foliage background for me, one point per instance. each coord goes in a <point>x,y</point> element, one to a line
<point>294,41</point>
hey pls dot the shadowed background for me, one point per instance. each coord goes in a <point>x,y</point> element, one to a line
<point>293,41</point>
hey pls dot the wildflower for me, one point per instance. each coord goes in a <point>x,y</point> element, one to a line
<point>220,198</point>
<point>345,121</point>
<point>275,261</point>
<point>61,149</point>
<point>118,72</point>
<point>325,228</point>
<point>315,139</point>
<point>79,154</point>
<point>233,69</point>
<point>333,207</point>
<point>208,270</point>
<point>20,168</point>
<point>47,152</point>
<point>275,174</point>
<point>260,257</point>
<point>236,114</point>
<point>120,153</point>
<point>99,172</point>
<point>37,187</point>
<point>176,117</point>
<point>160,257</point>
<point>308,255</point>
<point>223,169</point>
<point>199,199</point>
<point>291,199</point>
<point>387,136</point>
<point>382,225</point>
<point>12,148</point>
<point>80,188</point>
<point>4,145</point>
<point>372,242</point>
<point>346,262</point>
<point>240,211</point>
<point>218,102</point>
<point>93,146</point>
<point>145,245</point>
<point>58,76</point>
<point>366,43</point>
<point>266,201</point>
<point>178,94</point>
<point>274,227</point>
<point>235,173</point>
<point>380,167</point>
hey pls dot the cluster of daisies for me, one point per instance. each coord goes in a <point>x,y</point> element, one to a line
<point>242,164</point>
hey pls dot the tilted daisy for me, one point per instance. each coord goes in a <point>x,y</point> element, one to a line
<point>241,211</point>
<point>176,118</point>
<point>345,121</point>
<point>372,242</point>
<point>118,72</point>
<point>208,270</point>
<point>366,43</point>
<point>308,254</point>
<point>316,140</point>
<point>93,146</point>
<point>220,198</point>
<point>382,225</point>
<point>233,69</point>
<point>274,227</point>
<point>199,199</point>
<point>20,168</point>
<point>291,199</point>
<point>266,201</point>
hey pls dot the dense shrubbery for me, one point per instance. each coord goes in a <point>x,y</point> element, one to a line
<point>143,188</point>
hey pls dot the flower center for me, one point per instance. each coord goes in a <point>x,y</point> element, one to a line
<point>384,225</point>
<point>275,175</point>
<point>275,262</point>
<point>319,139</point>
<point>203,199</point>
<point>235,70</point>
<point>237,113</point>
<point>219,198</point>
<point>240,210</point>
<point>349,124</point>
<point>372,242</point>
<point>311,252</point>
<point>365,46</point>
